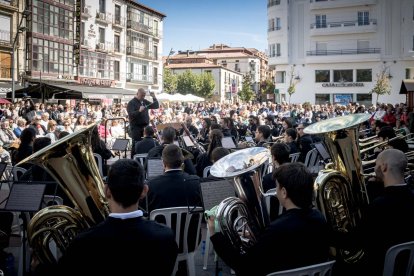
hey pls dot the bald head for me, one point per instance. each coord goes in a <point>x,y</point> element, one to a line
<point>395,160</point>
<point>141,93</point>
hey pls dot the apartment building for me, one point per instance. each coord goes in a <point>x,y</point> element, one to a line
<point>11,40</point>
<point>333,50</point>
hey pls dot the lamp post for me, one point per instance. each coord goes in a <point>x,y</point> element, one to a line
<point>172,52</point>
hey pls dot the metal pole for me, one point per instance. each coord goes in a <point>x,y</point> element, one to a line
<point>12,72</point>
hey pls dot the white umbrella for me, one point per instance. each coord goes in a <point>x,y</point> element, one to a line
<point>194,98</point>
<point>164,96</point>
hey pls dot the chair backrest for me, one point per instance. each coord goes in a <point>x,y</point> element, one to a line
<point>49,200</point>
<point>294,157</point>
<point>17,172</point>
<point>140,157</point>
<point>268,196</point>
<point>311,158</point>
<point>99,162</point>
<point>178,219</point>
<point>397,252</point>
<point>322,269</point>
<point>206,171</point>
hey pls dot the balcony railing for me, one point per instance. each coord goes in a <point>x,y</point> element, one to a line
<point>276,28</point>
<point>271,3</point>
<point>118,21</point>
<point>9,4</point>
<point>104,18</point>
<point>104,46</point>
<point>6,38</point>
<point>354,23</point>
<point>343,52</point>
<point>118,48</point>
<point>5,73</point>
<point>86,12</point>
<point>135,77</point>
<point>139,53</point>
<point>139,27</point>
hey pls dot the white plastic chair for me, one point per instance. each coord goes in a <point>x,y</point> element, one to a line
<point>140,157</point>
<point>206,171</point>
<point>99,162</point>
<point>17,172</point>
<point>392,254</point>
<point>322,269</point>
<point>181,213</point>
<point>312,160</point>
<point>294,157</point>
<point>267,196</point>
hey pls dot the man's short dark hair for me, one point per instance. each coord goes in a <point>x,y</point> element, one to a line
<point>40,143</point>
<point>63,134</point>
<point>126,181</point>
<point>291,132</point>
<point>280,152</point>
<point>297,181</point>
<point>264,130</point>
<point>172,156</point>
<point>386,132</point>
<point>149,131</point>
<point>219,153</point>
<point>168,135</point>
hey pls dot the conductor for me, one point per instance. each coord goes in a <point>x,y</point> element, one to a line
<point>138,115</point>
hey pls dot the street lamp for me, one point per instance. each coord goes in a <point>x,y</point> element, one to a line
<point>172,52</point>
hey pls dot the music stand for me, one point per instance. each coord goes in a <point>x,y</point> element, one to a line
<point>188,142</point>
<point>228,143</point>
<point>120,145</point>
<point>322,151</point>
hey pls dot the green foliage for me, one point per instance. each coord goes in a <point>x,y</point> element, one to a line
<point>169,81</point>
<point>267,87</point>
<point>206,85</point>
<point>247,93</point>
<point>187,83</point>
<point>292,83</point>
<point>382,85</point>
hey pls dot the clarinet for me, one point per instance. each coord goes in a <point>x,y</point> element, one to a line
<point>197,145</point>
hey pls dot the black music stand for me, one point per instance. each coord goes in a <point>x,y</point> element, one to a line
<point>120,145</point>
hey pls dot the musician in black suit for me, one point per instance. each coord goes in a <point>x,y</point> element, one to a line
<point>388,216</point>
<point>304,142</point>
<point>173,188</point>
<point>262,135</point>
<point>125,243</point>
<point>290,139</point>
<point>146,144</point>
<point>191,128</point>
<point>138,115</point>
<point>299,237</point>
<point>168,137</point>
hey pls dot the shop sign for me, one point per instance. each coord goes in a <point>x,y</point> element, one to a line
<point>96,82</point>
<point>343,84</point>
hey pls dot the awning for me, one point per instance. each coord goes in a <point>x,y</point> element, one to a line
<point>407,86</point>
<point>7,87</point>
<point>95,92</point>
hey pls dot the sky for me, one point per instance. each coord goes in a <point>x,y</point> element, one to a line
<point>198,24</point>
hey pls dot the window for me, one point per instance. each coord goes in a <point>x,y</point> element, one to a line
<point>116,70</point>
<point>155,74</point>
<point>155,27</point>
<point>363,18</point>
<point>278,49</point>
<point>117,14</point>
<point>117,43</point>
<point>155,52</point>
<point>408,73</point>
<point>364,99</point>
<point>83,33</point>
<point>101,35</point>
<point>139,70</point>
<point>322,76</point>
<point>321,21</point>
<point>278,26</point>
<point>364,75</point>
<point>280,77</point>
<point>102,5</point>
<point>51,57</point>
<point>343,76</point>
<point>5,65</point>
<point>271,3</point>
<point>271,25</point>
<point>5,34</point>
<point>236,67</point>
<point>343,99</point>
<point>322,98</point>
<point>272,50</point>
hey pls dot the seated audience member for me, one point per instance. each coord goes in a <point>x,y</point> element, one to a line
<point>174,188</point>
<point>147,143</point>
<point>168,137</point>
<point>387,215</point>
<point>4,154</point>
<point>105,249</point>
<point>21,124</point>
<point>26,145</point>
<point>299,237</point>
<point>204,159</point>
<point>262,135</point>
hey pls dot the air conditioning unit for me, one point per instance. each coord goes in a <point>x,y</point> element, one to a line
<point>100,46</point>
<point>86,10</point>
<point>102,16</point>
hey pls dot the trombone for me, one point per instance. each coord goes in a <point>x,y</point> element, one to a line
<point>376,143</point>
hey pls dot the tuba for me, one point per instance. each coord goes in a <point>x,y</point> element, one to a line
<point>341,190</point>
<point>70,161</point>
<point>242,218</point>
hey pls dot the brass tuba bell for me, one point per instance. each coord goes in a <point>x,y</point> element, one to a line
<point>242,218</point>
<point>341,190</point>
<point>70,161</point>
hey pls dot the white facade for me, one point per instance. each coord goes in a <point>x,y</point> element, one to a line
<point>336,48</point>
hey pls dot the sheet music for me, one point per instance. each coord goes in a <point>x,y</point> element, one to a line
<point>120,144</point>
<point>154,167</point>
<point>25,197</point>
<point>188,141</point>
<point>228,143</point>
<point>214,192</point>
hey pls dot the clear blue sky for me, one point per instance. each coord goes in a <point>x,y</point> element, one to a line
<point>198,24</point>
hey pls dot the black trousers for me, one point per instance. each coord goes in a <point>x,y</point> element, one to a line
<point>139,133</point>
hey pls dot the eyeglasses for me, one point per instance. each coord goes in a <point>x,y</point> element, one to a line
<point>66,125</point>
<point>299,128</point>
<point>54,124</point>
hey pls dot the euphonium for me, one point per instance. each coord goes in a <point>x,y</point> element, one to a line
<point>71,163</point>
<point>341,190</point>
<point>242,218</point>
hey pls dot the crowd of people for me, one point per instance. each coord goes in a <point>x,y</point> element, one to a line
<point>301,233</point>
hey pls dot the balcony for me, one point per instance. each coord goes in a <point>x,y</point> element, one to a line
<point>105,47</point>
<point>343,52</point>
<point>10,5</point>
<point>141,53</point>
<point>118,22</point>
<point>118,49</point>
<point>343,27</point>
<point>6,39</point>
<point>5,73</point>
<point>86,12</point>
<point>333,4</point>
<point>271,3</point>
<point>138,78</point>
<point>343,55</point>
<point>103,18</point>
<point>139,27</point>
<point>274,28</point>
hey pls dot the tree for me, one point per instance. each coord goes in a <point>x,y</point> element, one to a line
<point>206,85</point>
<point>169,81</point>
<point>292,82</point>
<point>187,83</point>
<point>247,93</point>
<point>267,87</point>
<point>382,85</point>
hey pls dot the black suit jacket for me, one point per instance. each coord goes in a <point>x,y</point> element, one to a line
<point>133,246</point>
<point>174,189</point>
<point>156,152</point>
<point>297,238</point>
<point>145,145</point>
<point>139,120</point>
<point>305,144</point>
